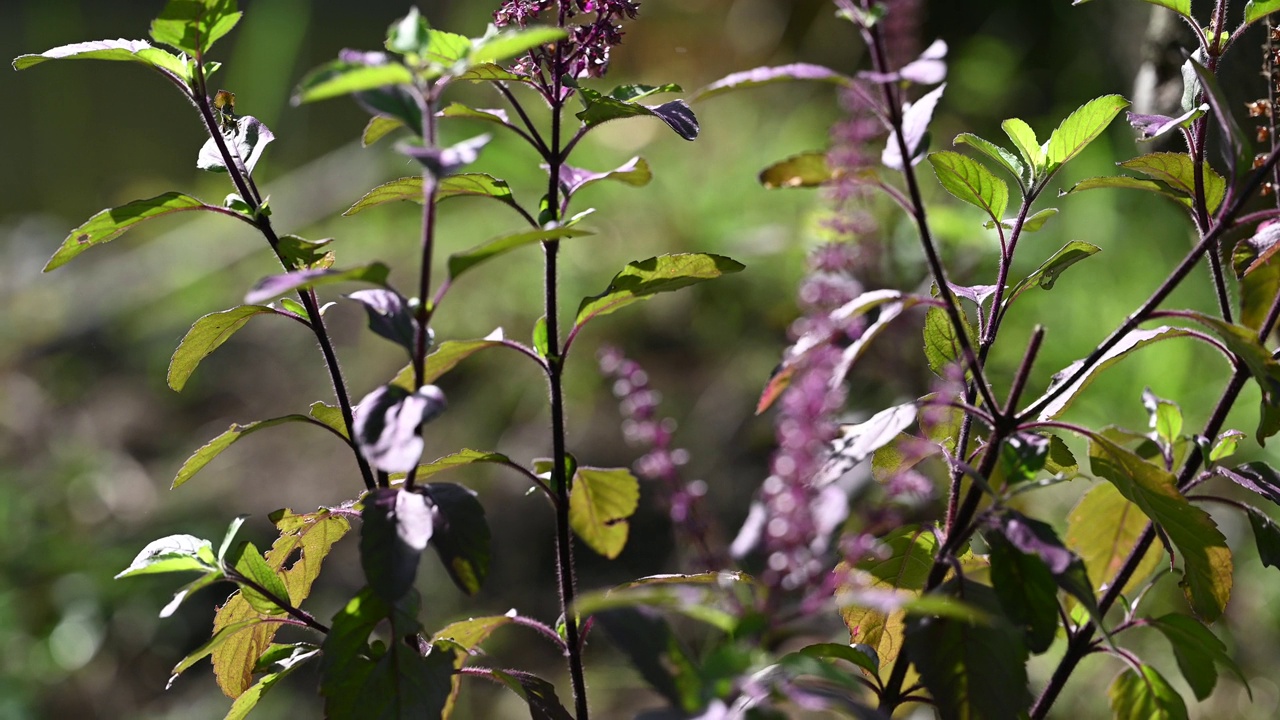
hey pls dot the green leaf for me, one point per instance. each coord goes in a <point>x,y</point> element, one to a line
<point>410,34</point>
<point>600,108</point>
<point>635,172</point>
<point>462,539</point>
<point>1024,139</point>
<point>713,598</point>
<point>139,51</point>
<point>1135,340</point>
<point>339,77</point>
<point>276,285</point>
<point>770,75</point>
<point>1128,183</point>
<point>331,417</point>
<point>175,553</point>
<point>247,701</point>
<point>462,458</point>
<point>1225,446</point>
<point>1060,460</point>
<point>1027,592</point>
<point>1178,171</point>
<point>805,170</point>
<point>941,342</point>
<point>466,635</point>
<point>971,670</point>
<point>458,110</point>
<point>848,653</point>
<point>1165,416</point>
<point>205,336</point>
<point>490,72</point>
<point>1259,285</point>
<point>111,223</point>
<point>446,49</point>
<point>642,279</point>
<point>405,188</point>
<point>193,26</point>
<point>302,254</point>
<point>1198,652</point>
<point>1081,128</point>
<point>445,358</point>
<point>1050,270</point>
<point>541,341</point>
<point>462,184</point>
<point>379,126</point>
<point>510,43</point>
<point>1207,566</point>
<point>904,565</point>
<point>1255,10</point>
<point>214,447</point>
<point>1266,535</point>
<point>210,645</point>
<point>464,261</point>
<point>1145,697</point>
<point>1033,223</point>
<point>1103,529</point>
<point>971,181</point>
<point>1006,159</point>
<point>249,563</point>
<point>305,542</point>
<point>537,693</point>
<point>600,502</point>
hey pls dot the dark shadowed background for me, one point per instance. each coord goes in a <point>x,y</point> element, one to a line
<point>90,436</point>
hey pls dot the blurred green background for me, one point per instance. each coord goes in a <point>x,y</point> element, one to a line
<point>90,437</point>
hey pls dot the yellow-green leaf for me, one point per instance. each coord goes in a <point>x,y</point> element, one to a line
<point>599,504</point>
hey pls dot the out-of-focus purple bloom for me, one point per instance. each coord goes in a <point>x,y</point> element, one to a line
<point>642,427</point>
<point>586,52</point>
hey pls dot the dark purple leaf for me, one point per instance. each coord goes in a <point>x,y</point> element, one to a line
<point>679,117</point>
<point>1026,591</point>
<point>1032,537</point>
<point>915,123</point>
<point>277,285</point>
<point>635,172</point>
<point>645,637</point>
<point>445,161</point>
<point>461,534</point>
<point>387,424</point>
<point>767,75</point>
<point>1257,477</point>
<point>978,294</point>
<point>1236,148</point>
<point>928,69</point>
<point>389,316</point>
<point>396,527</point>
<point>1266,535</point>
<point>1151,127</point>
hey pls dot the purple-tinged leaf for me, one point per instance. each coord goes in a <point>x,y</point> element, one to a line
<point>205,336</point>
<point>679,117</point>
<point>928,69</point>
<point>442,162</point>
<point>634,172</point>
<point>1256,477</point>
<point>461,535</point>
<point>245,142</point>
<point>111,223</point>
<point>805,170</point>
<point>858,441</point>
<point>389,316</point>
<point>1254,252</point>
<point>768,75</point>
<point>915,124</point>
<point>1026,590</point>
<point>1151,127</point>
<point>276,285</point>
<point>139,51</point>
<point>977,294</point>
<point>397,524</point>
<point>388,423</point>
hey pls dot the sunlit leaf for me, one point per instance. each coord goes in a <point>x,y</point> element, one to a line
<point>379,126</point>
<point>1080,128</point>
<point>601,108</point>
<point>805,170</point>
<point>276,285</point>
<point>1178,171</point>
<point>1145,696</point>
<point>1050,270</point>
<point>643,279</point>
<point>635,172</point>
<point>600,503</point>
<point>1129,183</point>
<point>340,77</point>
<point>1024,139</point>
<point>214,447</point>
<point>175,553</point>
<point>1255,10</point>
<point>915,126</point>
<point>280,669</point>
<point>193,26</point>
<point>908,557</point>
<point>205,336</point>
<point>770,75</point>
<point>1207,565</point>
<point>1004,158</point>
<point>219,638</point>
<point>267,589</point>
<point>971,181</point>
<point>110,224</point>
<point>139,51</point>
<point>1104,528</point>
<point>245,141</point>
<point>446,357</point>
<point>461,262</point>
